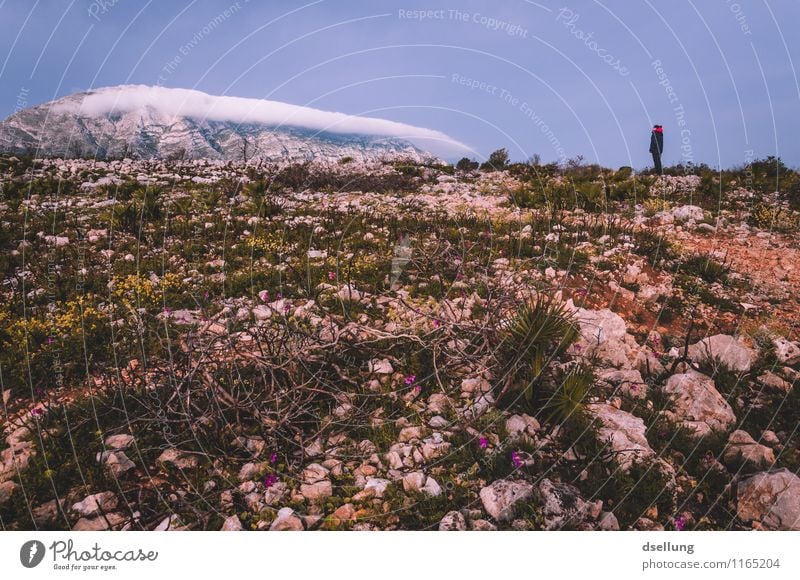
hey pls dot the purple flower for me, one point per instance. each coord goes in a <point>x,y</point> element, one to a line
<point>205,294</point>
<point>483,442</point>
<point>410,379</point>
<point>273,459</point>
<point>50,339</point>
<point>516,461</point>
<point>167,310</point>
<point>436,322</point>
<point>680,523</point>
<point>634,387</point>
<point>270,480</point>
<point>37,412</point>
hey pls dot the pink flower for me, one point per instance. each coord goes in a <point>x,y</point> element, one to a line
<point>436,323</point>
<point>634,387</point>
<point>205,294</point>
<point>516,461</point>
<point>680,523</point>
<point>263,295</point>
<point>410,379</point>
<point>270,480</point>
<point>167,310</point>
<point>483,442</point>
<point>331,276</point>
<point>37,412</point>
<point>273,459</point>
<point>418,389</point>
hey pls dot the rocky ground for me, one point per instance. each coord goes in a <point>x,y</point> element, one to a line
<point>198,345</point>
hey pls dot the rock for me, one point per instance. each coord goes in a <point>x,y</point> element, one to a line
<point>413,481</point>
<point>432,488</point>
<point>475,386</point>
<point>563,507</point>
<point>770,438</point>
<point>482,526</point>
<point>377,485</point>
<point>453,522</point>
<point>438,422</point>
<point>608,522</point>
<point>434,447</point>
<point>316,491</point>
<point>275,493</point>
<point>251,471</point>
<point>232,524</point>
<point>603,335</point>
<point>684,213</point>
<point>438,403</point>
<point>772,499</point>
<point>7,489</point>
<point>178,458</point>
<point>344,513</point>
<point>47,514</point>
<point>788,353</point>
<point>771,381</point>
<point>314,473</point>
<point>117,462</point>
<point>725,350</point>
<point>119,442</point>
<point>624,432</point>
<point>408,434</point>
<point>697,404</point>
<point>95,504</point>
<point>500,499</point>
<point>742,449</point>
<point>381,367</point>
<point>521,425</point>
<point>286,521</point>
<point>648,525</point>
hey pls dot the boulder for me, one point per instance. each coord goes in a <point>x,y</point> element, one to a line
<point>624,432</point>
<point>563,507</point>
<point>772,499</point>
<point>723,349</point>
<point>500,499</point>
<point>232,524</point>
<point>697,404</point>
<point>742,450</point>
<point>95,504</point>
<point>453,522</point>
<point>317,491</point>
<point>787,352</point>
<point>286,521</point>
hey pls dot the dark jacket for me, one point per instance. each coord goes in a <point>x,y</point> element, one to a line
<point>657,141</point>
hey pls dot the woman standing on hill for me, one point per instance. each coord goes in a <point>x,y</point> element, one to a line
<point>657,146</point>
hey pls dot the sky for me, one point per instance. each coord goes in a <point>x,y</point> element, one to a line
<point>551,78</point>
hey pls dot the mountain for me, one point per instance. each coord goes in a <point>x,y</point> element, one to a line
<point>144,122</point>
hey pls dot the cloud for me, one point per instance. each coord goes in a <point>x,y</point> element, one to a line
<point>198,105</point>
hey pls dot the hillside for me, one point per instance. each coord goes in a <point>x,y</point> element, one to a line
<point>214,345</point>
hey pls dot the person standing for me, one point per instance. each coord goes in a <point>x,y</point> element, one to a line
<point>657,146</point>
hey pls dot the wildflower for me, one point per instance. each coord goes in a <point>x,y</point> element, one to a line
<point>436,323</point>
<point>263,295</point>
<point>680,523</point>
<point>37,412</point>
<point>634,387</point>
<point>273,459</point>
<point>459,276</point>
<point>483,442</point>
<point>331,276</point>
<point>270,480</point>
<point>516,461</point>
<point>409,380</point>
<point>205,294</point>
<point>418,389</point>
<point>167,310</point>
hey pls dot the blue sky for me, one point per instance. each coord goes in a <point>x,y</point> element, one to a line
<point>559,79</point>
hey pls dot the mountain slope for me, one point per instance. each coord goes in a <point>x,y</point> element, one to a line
<point>156,122</point>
